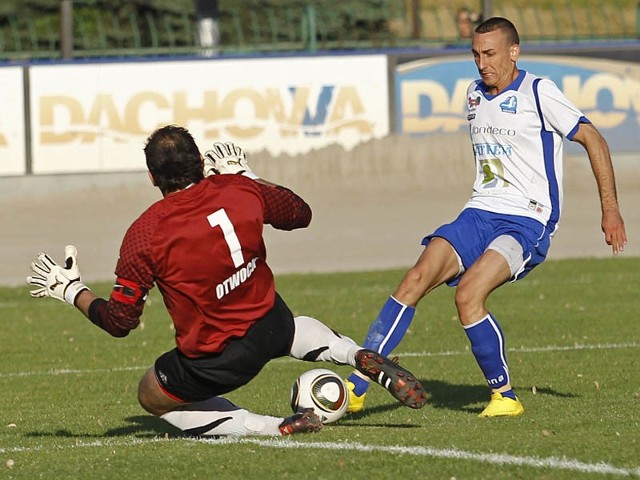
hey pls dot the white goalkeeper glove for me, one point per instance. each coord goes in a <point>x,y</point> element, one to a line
<point>226,158</point>
<point>52,280</point>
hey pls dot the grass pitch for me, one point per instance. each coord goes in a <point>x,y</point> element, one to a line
<point>69,407</point>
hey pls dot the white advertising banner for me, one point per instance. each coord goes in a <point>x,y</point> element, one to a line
<point>12,134</point>
<point>97,117</point>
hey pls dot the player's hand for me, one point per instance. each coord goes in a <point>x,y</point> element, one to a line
<point>614,231</point>
<point>226,158</point>
<point>52,280</point>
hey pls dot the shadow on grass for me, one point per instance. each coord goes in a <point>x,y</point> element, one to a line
<point>462,398</point>
<point>368,412</point>
<point>142,426</point>
<point>465,397</point>
<point>145,423</point>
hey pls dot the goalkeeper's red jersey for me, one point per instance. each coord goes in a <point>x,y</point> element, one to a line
<point>204,250</point>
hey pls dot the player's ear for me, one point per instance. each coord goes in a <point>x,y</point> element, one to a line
<point>514,51</point>
<point>153,182</point>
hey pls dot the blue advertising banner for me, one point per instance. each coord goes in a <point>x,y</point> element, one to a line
<point>430,95</point>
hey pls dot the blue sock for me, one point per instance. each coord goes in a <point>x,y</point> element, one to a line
<point>385,333</point>
<point>509,394</point>
<point>487,345</point>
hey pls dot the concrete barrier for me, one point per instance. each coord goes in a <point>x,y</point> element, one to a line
<point>372,206</point>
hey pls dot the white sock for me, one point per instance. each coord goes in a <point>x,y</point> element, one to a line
<point>218,416</point>
<point>315,342</point>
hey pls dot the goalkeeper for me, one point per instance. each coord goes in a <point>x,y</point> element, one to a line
<point>202,246</point>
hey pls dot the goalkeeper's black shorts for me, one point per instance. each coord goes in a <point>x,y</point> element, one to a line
<point>191,380</point>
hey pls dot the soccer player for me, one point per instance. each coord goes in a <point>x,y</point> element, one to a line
<point>202,246</point>
<point>517,122</point>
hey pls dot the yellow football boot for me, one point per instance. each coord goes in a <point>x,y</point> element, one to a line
<point>356,403</point>
<point>499,406</point>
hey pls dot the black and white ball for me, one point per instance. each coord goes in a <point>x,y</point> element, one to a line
<point>322,390</point>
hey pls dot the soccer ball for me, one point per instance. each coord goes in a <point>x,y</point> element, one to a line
<point>322,390</point>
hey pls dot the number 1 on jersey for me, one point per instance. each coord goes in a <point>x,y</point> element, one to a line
<point>219,218</point>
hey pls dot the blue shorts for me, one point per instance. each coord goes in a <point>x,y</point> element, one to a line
<point>471,233</point>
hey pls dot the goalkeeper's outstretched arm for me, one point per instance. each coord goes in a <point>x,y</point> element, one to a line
<point>63,283</point>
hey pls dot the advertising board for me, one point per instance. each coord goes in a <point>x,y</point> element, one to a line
<point>96,117</point>
<point>12,131</point>
<point>430,95</point>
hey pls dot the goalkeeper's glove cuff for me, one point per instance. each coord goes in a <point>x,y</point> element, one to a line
<point>249,174</point>
<point>73,290</point>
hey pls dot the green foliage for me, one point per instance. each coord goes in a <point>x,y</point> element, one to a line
<point>69,405</point>
<point>29,29</point>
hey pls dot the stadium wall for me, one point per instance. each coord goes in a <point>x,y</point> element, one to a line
<point>374,196</point>
<point>95,116</point>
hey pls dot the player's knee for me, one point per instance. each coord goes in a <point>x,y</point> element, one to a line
<point>461,299</point>
<point>412,288</point>
<point>469,306</point>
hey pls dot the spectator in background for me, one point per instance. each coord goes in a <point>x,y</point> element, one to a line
<point>208,28</point>
<point>466,21</point>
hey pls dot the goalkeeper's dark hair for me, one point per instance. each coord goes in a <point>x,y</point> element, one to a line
<point>173,158</point>
<point>500,23</point>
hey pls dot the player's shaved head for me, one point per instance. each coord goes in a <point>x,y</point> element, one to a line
<point>500,23</point>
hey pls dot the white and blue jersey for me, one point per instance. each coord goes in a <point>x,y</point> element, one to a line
<point>517,144</point>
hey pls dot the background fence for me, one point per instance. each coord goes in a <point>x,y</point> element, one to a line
<point>98,28</point>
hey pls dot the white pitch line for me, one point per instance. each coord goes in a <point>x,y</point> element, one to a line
<point>71,371</point>
<point>502,459</point>
<point>456,454</point>
<point>548,348</point>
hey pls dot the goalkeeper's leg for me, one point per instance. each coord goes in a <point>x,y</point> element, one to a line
<point>314,341</point>
<point>217,416</point>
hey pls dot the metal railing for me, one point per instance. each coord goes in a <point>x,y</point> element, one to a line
<point>303,25</point>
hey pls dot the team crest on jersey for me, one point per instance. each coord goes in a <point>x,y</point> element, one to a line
<point>473,102</point>
<point>510,105</point>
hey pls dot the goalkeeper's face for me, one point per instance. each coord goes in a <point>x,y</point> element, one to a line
<point>495,57</point>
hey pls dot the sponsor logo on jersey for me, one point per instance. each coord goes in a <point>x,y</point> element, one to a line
<point>238,278</point>
<point>491,130</point>
<point>493,149</point>
<point>510,105</point>
<point>535,206</point>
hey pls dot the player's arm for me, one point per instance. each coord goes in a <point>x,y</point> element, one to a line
<point>117,316</point>
<point>283,209</point>
<point>602,167</point>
